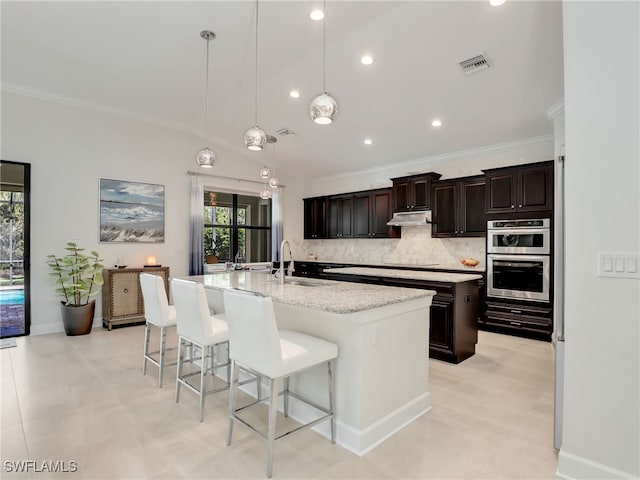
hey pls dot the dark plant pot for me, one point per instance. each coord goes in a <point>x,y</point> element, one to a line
<point>78,320</point>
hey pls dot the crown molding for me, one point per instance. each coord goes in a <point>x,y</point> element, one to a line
<point>43,95</point>
<point>18,89</point>
<point>420,163</point>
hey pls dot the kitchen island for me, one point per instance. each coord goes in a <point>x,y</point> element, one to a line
<point>453,330</point>
<point>382,372</point>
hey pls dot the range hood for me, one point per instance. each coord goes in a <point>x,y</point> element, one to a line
<point>410,219</point>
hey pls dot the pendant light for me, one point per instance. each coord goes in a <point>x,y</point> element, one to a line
<point>323,108</point>
<point>264,192</point>
<point>265,172</point>
<point>255,138</point>
<point>273,181</point>
<point>205,157</point>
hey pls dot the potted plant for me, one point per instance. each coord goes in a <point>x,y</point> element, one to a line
<point>78,277</point>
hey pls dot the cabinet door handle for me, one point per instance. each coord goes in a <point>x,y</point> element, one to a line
<point>513,206</point>
<point>126,290</point>
<point>456,232</point>
<point>461,231</point>
<point>516,311</point>
<point>517,324</point>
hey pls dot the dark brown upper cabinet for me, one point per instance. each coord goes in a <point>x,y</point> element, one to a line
<point>315,217</point>
<point>413,192</point>
<point>459,207</point>
<point>524,188</point>
<point>340,216</point>
<point>371,212</point>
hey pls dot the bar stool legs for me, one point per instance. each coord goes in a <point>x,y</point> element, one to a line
<point>147,356</point>
<point>332,398</point>
<point>271,433</point>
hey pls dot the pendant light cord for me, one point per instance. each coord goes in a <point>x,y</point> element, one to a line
<point>256,109</point>
<point>206,103</point>
<point>324,48</point>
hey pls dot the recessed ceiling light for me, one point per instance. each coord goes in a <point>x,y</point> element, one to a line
<point>436,123</point>
<point>368,141</point>
<point>366,60</point>
<point>496,3</point>
<point>316,14</point>
<point>294,94</point>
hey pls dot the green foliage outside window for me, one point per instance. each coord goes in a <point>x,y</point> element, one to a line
<point>217,232</point>
<point>11,236</point>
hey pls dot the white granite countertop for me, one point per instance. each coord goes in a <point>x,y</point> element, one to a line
<point>409,274</point>
<point>431,266</point>
<point>329,296</point>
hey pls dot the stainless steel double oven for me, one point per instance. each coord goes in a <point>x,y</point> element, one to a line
<point>518,259</point>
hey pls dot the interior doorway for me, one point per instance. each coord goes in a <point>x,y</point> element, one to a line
<point>15,311</point>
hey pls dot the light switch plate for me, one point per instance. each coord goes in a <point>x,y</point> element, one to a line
<point>618,265</point>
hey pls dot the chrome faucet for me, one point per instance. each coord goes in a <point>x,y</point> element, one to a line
<point>281,269</point>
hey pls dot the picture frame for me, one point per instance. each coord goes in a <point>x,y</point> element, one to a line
<point>131,212</point>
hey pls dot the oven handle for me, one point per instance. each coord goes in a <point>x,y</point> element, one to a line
<point>502,263</point>
<point>501,257</point>
<point>518,231</point>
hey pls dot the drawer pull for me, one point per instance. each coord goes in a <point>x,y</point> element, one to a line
<point>126,290</point>
<point>516,311</point>
<point>517,324</point>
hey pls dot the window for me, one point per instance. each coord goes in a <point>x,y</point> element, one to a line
<point>237,227</point>
<point>11,237</point>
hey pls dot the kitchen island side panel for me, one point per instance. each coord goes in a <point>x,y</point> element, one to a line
<point>382,371</point>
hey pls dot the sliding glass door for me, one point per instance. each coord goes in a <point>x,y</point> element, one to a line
<point>15,312</point>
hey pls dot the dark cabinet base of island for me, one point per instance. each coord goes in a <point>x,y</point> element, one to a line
<point>453,331</point>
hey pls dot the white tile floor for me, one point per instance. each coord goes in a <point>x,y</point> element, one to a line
<point>85,399</point>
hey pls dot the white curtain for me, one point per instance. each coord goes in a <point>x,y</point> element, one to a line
<point>277,216</point>
<point>196,228</point>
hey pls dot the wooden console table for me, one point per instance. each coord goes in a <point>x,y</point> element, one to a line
<point>122,302</point>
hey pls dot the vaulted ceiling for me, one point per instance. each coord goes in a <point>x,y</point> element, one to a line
<point>146,60</point>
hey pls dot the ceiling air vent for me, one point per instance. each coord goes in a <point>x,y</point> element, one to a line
<point>285,132</point>
<point>475,64</point>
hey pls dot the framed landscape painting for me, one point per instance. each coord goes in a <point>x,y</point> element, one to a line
<point>131,211</point>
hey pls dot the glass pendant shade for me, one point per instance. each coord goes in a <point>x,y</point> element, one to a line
<point>206,158</point>
<point>265,172</point>
<point>265,194</point>
<point>255,138</point>
<point>323,109</point>
<point>274,182</point>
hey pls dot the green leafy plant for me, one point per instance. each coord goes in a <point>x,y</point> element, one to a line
<point>76,274</point>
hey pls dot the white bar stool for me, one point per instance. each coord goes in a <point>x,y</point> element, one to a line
<point>198,328</point>
<point>160,314</point>
<point>257,346</point>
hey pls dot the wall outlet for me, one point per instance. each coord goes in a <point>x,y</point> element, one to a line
<point>619,265</point>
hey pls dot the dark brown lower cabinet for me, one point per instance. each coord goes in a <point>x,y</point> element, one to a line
<point>453,330</point>
<point>526,319</point>
<point>441,333</point>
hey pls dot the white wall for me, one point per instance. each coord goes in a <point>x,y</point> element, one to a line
<point>602,372</point>
<point>70,148</point>
<point>451,165</point>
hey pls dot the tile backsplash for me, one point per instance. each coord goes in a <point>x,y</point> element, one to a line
<point>416,247</point>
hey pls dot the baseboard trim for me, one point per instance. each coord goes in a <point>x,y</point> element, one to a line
<point>57,327</point>
<point>357,441</point>
<point>572,467</point>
